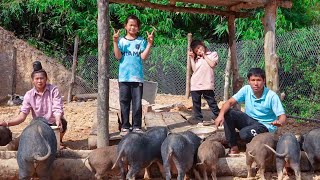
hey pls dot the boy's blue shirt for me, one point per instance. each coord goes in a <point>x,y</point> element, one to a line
<point>131,67</point>
<point>265,109</point>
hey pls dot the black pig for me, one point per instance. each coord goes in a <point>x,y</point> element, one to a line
<point>37,150</point>
<point>180,149</point>
<point>311,145</point>
<point>287,151</point>
<point>5,136</point>
<point>140,150</point>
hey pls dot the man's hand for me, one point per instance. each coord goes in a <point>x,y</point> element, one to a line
<point>219,121</point>
<point>116,35</point>
<point>59,124</point>
<point>276,123</point>
<point>150,37</point>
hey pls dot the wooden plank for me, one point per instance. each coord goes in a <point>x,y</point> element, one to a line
<point>206,113</point>
<point>175,122</point>
<point>152,119</point>
<point>114,134</point>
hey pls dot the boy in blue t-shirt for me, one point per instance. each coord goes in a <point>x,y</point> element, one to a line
<point>131,50</point>
<point>263,111</point>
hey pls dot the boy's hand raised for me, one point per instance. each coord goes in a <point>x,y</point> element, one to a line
<point>116,35</point>
<point>150,36</point>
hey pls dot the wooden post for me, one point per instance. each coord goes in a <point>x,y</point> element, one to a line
<point>188,74</point>
<point>74,67</point>
<point>14,73</point>
<point>233,54</point>
<point>103,73</point>
<point>271,59</point>
<point>236,80</point>
<point>227,77</point>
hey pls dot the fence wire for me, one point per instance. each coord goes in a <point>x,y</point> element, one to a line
<point>299,68</point>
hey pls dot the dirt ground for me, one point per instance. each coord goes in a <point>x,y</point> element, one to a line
<point>80,117</point>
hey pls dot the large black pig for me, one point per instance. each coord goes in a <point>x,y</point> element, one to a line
<point>37,150</point>
<point>140,150</point>
<point>5,136</point>
<point>287,152</point>
<point>311,145</point>
<point>180,149</point>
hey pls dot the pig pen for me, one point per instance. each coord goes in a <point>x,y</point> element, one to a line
<point>69,163</point>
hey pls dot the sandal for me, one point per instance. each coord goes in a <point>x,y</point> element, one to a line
<point>124,131</point>
<point>137,130</point>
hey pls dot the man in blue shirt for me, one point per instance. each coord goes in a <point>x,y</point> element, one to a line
<point>263,111</point>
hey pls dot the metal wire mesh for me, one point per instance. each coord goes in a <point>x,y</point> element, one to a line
<point>299,68</point>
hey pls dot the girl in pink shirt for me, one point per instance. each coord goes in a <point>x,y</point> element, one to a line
<point>43,100</point>
<point>203,63</point>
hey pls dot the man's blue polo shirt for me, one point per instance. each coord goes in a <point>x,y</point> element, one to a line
<point>265,109</point>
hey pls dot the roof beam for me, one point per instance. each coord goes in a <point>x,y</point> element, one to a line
<point>249,5</point>
<point>284,3</point>
<point>243,5</point>
<point>173,8</point>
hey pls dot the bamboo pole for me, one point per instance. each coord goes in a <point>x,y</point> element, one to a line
<point>188,74</point>
<point>74,67</point>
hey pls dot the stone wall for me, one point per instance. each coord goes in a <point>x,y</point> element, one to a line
<point>16,57</point>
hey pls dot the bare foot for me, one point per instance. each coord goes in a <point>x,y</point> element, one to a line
<point>234,150</point>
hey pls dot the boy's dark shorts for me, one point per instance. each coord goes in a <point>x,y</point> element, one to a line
<point>64,124</point>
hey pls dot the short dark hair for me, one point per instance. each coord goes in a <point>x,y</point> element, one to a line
<point>195,43</point>
<point>134,18</point>
<point>256,72</point>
